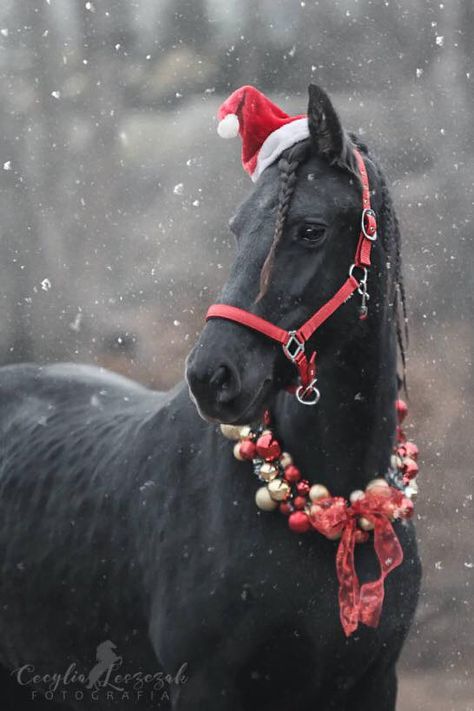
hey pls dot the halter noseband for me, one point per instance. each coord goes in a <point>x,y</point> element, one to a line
<point>293,342</point>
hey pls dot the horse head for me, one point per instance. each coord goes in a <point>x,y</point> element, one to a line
<point>296,236</point>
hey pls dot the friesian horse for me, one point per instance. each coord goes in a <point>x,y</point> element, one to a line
<point>126,519</point>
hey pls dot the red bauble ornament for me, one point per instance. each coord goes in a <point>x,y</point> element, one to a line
<point>247,449</point>
<point>292,474</point>
<point>402,410</point>
<point>401,436</point>
<point>411,450</point>
<point>299,522</point>
<point>286,508</point>
<point>410,468</point>
<point>407,508</point>
<point>299,502</point>
<point>303,487</point>
<point>267,447</point>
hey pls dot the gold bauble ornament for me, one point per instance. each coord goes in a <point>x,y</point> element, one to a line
<point>379,486</point>
<point>395,462</point>
<point>268,471</point>
<point>365,524</point>
<point>279,489</point>
<point>264,501</point>
<point>286,459</point>
<point>318,491</point>
<point>231,431</point>
<point>356,495</point>
<point>245,432</point>
<point>237,454</point>
<point>411,491</point>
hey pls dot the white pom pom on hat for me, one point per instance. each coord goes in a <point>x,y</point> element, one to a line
<point>229,126</point>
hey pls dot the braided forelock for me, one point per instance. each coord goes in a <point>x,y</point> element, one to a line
<point>288,166</point>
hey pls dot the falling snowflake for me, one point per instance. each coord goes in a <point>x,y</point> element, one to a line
<point>440,40</point>
<point>76,324</point>
<point>178,189</point>
<point>7,165</point>
<point>46,285</point>
<point>4,31</point>
<point>419,72</point>
<point>147,485</point>
<point>56,94</point>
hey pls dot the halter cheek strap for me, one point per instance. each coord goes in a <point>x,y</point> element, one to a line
<point>293,342</point>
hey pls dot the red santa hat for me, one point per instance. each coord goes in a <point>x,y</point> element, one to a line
<point>265,129</point>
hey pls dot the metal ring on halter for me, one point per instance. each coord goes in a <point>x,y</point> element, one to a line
<point>310,389</point>
<point>364,271</point>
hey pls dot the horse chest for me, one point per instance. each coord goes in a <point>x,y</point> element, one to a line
<point>245,582</point>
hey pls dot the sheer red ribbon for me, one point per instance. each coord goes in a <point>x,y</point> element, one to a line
<point>332,517</point>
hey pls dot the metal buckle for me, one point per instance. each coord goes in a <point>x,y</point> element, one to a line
<point>293,347</point>
<point>362,290</point>
<point>369,221</point>
<point>309,395</point>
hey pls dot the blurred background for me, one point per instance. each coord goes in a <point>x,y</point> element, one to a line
<point>115,194</point>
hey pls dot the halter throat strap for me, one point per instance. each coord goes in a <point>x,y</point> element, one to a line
<point>293,342</point>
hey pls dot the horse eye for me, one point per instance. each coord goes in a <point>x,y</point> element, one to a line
<point>311,234</point>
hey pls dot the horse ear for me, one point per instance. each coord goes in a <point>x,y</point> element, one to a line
<point>327,134</point>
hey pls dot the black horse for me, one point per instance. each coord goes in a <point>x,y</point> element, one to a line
<point>126,519</point>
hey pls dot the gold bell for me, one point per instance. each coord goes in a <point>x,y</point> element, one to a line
<point>279,489</point>
<point>268,471</point>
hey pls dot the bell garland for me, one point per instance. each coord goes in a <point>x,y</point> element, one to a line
<point>311,507</point>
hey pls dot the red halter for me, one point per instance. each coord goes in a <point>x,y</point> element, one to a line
<point>293,342</point>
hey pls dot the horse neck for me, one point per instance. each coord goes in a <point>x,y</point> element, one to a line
<point>346,439</point>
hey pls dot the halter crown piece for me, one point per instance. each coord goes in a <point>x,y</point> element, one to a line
<point>266,132</point>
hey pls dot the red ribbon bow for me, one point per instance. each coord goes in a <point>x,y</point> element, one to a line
<point>332,517</point>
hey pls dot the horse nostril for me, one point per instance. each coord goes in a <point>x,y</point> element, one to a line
<point>220,377</point>
<point>213,383</point>
<point>225,383</point>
